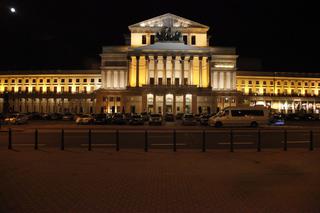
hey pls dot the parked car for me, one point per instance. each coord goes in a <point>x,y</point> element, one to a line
<point>84,119</point>
<point>100,119</point>
<point>119,119</point>
<point>16,119</point>
<point>277,120</point>
<point>68,117</point>
<point>136,120</point>
<point>204,119</point>
<point>56,116</point>
<point>145,116</point>
<point>169,117</point>
<point>189,119</point>
<point>155,119</point>
<point>179,116</point>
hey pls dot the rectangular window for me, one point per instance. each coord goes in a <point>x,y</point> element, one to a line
<point>118,99</point>
<point>33,89</point>
<point>27,89</point>
<point>19,89</point>
<point>34,81</point>
<point>111,99</point>
<point>48,80</point>
<point>185,81</point>
<point>151,81</point>
<point>41,80</point>
<point>168,81</point>
<point>176,81</point>
<point>250,82</point>
<point>85,89</point>
<point>55,80</point>
<point>20,81</point>
<point>152,39</point>
<point>27,80</point>
<point>55,89</point>
<point>12,89</point>
<point>85,80</point>
<point>62,89</point>
<point>62,80</point>
<point>144,39</point>
<point>70,80</point>
<point>193,40</point>
<point>70,89</point>
<point>6,81</point>
<point>41,90</point>
<point>48,89</point>
<point>77,89</point>
<point>92,80</point>
<point>99,80</point>
<point>12,81</point>
<point>77,80</point>
<point>185,39</point>
<point>159,81</point>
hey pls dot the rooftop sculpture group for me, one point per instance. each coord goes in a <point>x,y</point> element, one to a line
<point>166,34</point>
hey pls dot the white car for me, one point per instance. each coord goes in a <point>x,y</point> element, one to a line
<point>84,119</point>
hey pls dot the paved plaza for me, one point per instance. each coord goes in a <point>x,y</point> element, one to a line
<point>76,180</point>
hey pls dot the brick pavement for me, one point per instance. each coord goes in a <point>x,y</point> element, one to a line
<point>159,181</point>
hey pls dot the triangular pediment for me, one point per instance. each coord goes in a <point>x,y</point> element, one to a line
<point>168,20</point>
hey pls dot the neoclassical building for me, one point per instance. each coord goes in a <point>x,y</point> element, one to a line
<point>168,66</point>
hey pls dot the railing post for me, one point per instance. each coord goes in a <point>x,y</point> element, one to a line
<point>9,138</point>
<point>62,139</point>
<point>89,140</point>
<point>231,140</point>
<point>203,141</point>
<point>117,141</point>
<point>146,141</point>
<point>285,141</point>
<point>259,141</point>
<point>36,139</point>
<point>311,141</point>
<point>174,141</point>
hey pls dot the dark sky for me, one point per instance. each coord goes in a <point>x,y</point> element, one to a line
<point>56,34</point>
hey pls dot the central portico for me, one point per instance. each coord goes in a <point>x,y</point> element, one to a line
<point>169,67</point>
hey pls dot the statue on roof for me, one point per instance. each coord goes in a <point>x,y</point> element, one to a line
<point>166,34</point>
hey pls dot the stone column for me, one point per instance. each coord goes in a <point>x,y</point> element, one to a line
<point>184,103</point>
<point>209,72</point>
<point>182,70</point>
<point>200,71</point>
<point>164,104</point>
<point>129,72</point>
<point>137,71</point>
<point>147,70</point>
<point>173,60</point>
<point>191,70</point>
<point>174,104</point>
<point>164,61</point>
<point>155,60</point>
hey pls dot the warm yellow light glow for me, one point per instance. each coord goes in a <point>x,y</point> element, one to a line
<point>132,72</point>
<point>205,73</point>
<point>142,71</point>
<point>224,66</point>
<point>195,70</point>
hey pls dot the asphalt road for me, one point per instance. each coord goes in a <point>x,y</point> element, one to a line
<point>159,137</point>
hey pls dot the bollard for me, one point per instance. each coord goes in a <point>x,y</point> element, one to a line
<point>174,141</point>
<point>10,139</point>
<point>36,139</point>
<point>231,140</point>
<point>203,141</point>
<point>259,141</point>
<point>285,141</point>
<point>311,141</point>
<point>117,141</point>
<point>62,139</point>
<point>146,141</point>
<point>89,140</point>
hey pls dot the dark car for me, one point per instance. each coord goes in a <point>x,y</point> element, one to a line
<point>56,116</point>
<point>155,119</point>
<point>136,120</point>
<point>169,117</point>
<point>68,117</point>
<point>204,119</point>
<point>189,119</point>
<point>145,116</point>
<point>179,116</point>
<point>100,119</point>
<point>119,119</point>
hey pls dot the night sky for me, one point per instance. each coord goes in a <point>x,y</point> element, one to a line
<point>54,34</point>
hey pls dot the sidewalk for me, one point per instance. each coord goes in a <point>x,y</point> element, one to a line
<point>159,181</point>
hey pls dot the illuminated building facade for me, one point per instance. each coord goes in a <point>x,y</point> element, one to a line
<point>167,67</point>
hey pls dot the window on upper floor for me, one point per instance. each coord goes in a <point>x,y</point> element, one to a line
<point>12,81</point>
<point>285,83</point>
<point>185,39</point>
<point>152,39</point>
<point>292,83</point>
<point>70,80</point>
<point>312,84</point>
<point>34,81</point>
<point>62,80</point>
<point>242,82</point>
<point>193,40</point>
<point>278,83</point>
<point>299,83</point>
<point>20,81</point>
<point>305,84</point>
<point>144,39</point>
<point>92,80</point>
<point>257,82</point>
<point>100,80</point>
<point>48,81</point>
<point>264,83</point>
<point>55,80</point>
<point>85,80</point>
<point>249,82</point>
<point>6,81</point>
<point>271,82</point>
<point>77,80</point>
<point>41,80</point>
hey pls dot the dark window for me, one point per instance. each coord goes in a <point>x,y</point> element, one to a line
<point>12,81</point>
<point>33,80</point>
<point>185,39</point>
<point>41,80</point>
<point>85,80</point>
<point>144,39</point>
<point>118,99</point>
<point>152,39</point>
<point>77,89</point>
<point>241,113</point>
<point>77,80</point>
<point>92,80</point>
<point>48,89</point>
<point>27,89</point>
<point>70,80</point>
<point>48,80</point>
<point>168,81</point>
<point>100,80</point>
<point>6,81</point>
<point>55,80</point>
<point>264,83</point>
<point>62,89</point>
<point>257,82</point>
<point>27,80</point>
<point>19,89</point>
<point>250,82</point>
<point>85,89</point>
<point>20,81</point>
<point>33,89</point>
<point>193,40</point>
<point>176,81</point>
<point>151,81</point>
<point>159,81</point>
<point>271,82</point>
<point>62,80</point>
<point>185,81</point>
<point>70,89</point>
<point>41,89</point>
<point>55,89</point>
<point>111,99</point>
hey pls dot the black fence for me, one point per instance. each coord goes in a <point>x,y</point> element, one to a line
<point>173,139</point>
